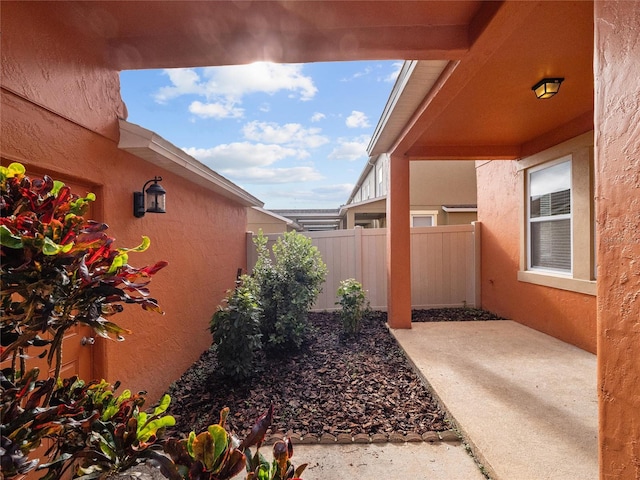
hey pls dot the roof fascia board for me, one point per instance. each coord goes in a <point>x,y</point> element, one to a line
<point>459,209</point>
<point>154,149</point>
<point>364,202</point>
<point>288,221</point>
<point>401,81</point>
<point>365,172</point>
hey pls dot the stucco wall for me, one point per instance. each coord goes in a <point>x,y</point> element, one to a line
<point>60,111</point>
<point>566,315</point>
<point>442,182</point>
<point>617,159</point>
<point>257,220</point>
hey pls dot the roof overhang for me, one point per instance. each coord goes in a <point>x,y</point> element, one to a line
<point>154,149</point>
<point>285,220</point>
<point>481,106</point>
<point>169,34</point>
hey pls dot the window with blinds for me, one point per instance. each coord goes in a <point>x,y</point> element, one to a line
<point>550,217</point>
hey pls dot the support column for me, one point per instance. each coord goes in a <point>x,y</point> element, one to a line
<point>398,244</point>
<point>617,83</point>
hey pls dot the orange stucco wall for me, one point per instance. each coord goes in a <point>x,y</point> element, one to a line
<point>617,159</point>
<point>60,112</point>
<point>566,315</point>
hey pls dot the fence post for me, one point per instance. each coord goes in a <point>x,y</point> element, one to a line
<point>357,243</point>
<point>477,259</point>
<point>251,252</point>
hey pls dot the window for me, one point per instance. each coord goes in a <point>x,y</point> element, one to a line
<point>557,229</point>
<point>424,218</point>
<point>380,181</point>
<point>550,217</point>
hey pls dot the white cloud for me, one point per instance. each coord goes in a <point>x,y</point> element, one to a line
<point>254,163</point>
<point>290,134</point>
<point>331,195</point>
<point>350,149</point>
<point>215,110</point>
<point>317,116</point>
<point>260,175</point>
<point>357,120</point>
<point>363,73</point>
<point>241,155</point>
<point>238,80</point>
<point>397,66</point>
<point>234,82</point>
<point>184,81</point>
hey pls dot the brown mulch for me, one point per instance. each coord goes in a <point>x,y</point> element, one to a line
<point>334,385</point>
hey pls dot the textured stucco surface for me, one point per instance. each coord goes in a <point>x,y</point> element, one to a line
<point>617,157</point>
<point>60,112</point>
<point>566,315</point>
<point>59,69</point>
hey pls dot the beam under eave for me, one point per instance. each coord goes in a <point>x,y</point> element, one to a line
<point>492,25</point>
<point>417,42</point>
<point>579,125</point>
<point>464,152</point>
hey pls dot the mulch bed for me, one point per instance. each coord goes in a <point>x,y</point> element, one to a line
<point>334,385</point>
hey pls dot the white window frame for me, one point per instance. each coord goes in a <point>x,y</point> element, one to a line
<point>425,213</point>
<point>550,218</point>
<point>582,278</point>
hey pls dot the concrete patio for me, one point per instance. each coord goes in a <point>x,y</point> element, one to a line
<point>524,401</point>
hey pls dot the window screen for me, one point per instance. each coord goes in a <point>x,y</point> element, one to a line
<point>550,217</point>
<point>422,221</point>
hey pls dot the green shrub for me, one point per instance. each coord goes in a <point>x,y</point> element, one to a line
<point>287,287</point>
<point>353,300</point>
<point>236,331</point>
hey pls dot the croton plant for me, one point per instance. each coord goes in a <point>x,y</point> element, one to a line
<point>60,269</point>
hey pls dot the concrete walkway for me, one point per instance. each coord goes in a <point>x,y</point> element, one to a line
<point>525,401</point>
<point>386,461</point>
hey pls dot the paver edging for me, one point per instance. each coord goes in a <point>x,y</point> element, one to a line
<point>447,436</point>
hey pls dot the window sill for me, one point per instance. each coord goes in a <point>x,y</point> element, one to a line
<point>588,287</point>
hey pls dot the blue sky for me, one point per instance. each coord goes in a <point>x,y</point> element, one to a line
<point>294,136</point>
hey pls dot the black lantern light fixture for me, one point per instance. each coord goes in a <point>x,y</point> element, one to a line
<point>155,198</point>
<point>547,87</point>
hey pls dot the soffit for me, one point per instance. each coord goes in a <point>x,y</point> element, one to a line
<point>483,106</point>
<point>415,81</point>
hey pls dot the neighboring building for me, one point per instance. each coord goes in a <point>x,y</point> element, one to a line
<point>313,219</point>
<point>259,219</point>
<point>442,193</point>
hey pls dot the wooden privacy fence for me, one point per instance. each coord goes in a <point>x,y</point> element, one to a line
<point>445,264</point>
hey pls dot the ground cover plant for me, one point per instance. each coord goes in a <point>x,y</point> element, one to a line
<point>353,302</point>
<point>352,385</point>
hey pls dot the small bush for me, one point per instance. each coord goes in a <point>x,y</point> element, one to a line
<point>352,299</point>
<point>287,287</point>
<point>236,331</point>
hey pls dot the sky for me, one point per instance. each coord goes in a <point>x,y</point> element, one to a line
<point>292,135</point>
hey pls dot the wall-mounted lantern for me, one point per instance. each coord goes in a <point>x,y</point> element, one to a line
<point>155,199</point>
<point>547,87</point>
